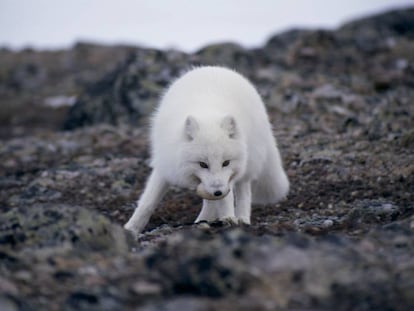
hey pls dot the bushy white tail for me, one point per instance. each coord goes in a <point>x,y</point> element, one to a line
<point>272,184</point>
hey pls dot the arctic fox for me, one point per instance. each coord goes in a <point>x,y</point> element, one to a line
<point>211,133</point>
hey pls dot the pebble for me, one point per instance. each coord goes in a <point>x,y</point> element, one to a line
<point>203,225</point>
<point>7,286</point>
<point>387,207</point>
<point>328,223</point>
<point>146,288</point>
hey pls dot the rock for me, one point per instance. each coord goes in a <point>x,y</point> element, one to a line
<point>367,211</point>
<point>46,229</point>
<point>285,270</point>
<point>7,304</point>
<point>82,301</point>
<point>132,90</point>
<point>30,79</point>
<point>227,54</point>
<point>59,101</point>
<point>316,224</point>
<point>280,43</point>
<point>387,25</point>
<point>327,92</point>
<point>328,223</point>
<point>146,288</point>
<point>184,303</point>
<point>407,139</point>
<point>7,287</point>
<point>129,92</point>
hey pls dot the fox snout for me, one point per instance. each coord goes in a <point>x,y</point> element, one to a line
<point>212,193</point>
<point>217,186</point>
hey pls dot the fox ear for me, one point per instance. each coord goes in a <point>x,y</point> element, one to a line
<point>229,125</point>
<point>191,128</point>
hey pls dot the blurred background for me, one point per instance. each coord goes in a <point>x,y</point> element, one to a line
<point>185,25</point>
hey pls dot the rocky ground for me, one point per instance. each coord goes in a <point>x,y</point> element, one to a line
<point>341,103</point>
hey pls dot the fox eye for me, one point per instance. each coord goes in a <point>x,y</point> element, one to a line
<point>203,164</point>
<point>226,163</point>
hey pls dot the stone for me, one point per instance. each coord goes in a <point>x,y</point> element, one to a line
<point>60,228</point>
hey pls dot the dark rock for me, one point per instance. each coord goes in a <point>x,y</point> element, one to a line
<point>367,211</point>
<point>40,228</point>
<point>184,303</point>
<point>407,139</point>
<point>12,303</point>
<point>29,79</point>
<point>389,24</point>
<point>88,301</point>
<point>8,304</point>
<point>133,89</point>
<point>322,274</point>
<point>129,92</point>
<point>281,42</point>
<point>227,54</point>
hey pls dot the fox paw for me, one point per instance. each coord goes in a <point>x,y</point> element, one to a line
<point>132,229</point>
<point>231,221</point>
<point>225,222</point>
<point>243,220</point>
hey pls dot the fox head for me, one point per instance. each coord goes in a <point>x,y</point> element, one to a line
<point>214,155</point>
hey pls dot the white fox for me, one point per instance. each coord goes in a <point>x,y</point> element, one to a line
<point>211,134</point>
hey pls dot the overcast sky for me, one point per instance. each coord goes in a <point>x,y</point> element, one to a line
<point>183,24</point>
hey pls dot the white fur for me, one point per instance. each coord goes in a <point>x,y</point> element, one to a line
<point>213,115</point>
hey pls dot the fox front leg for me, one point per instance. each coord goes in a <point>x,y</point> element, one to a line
<point>155,189</point>
<point>243,194</point>
<point>218,209</point>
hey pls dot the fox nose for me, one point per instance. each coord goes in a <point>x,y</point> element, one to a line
<point>218,193</point>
